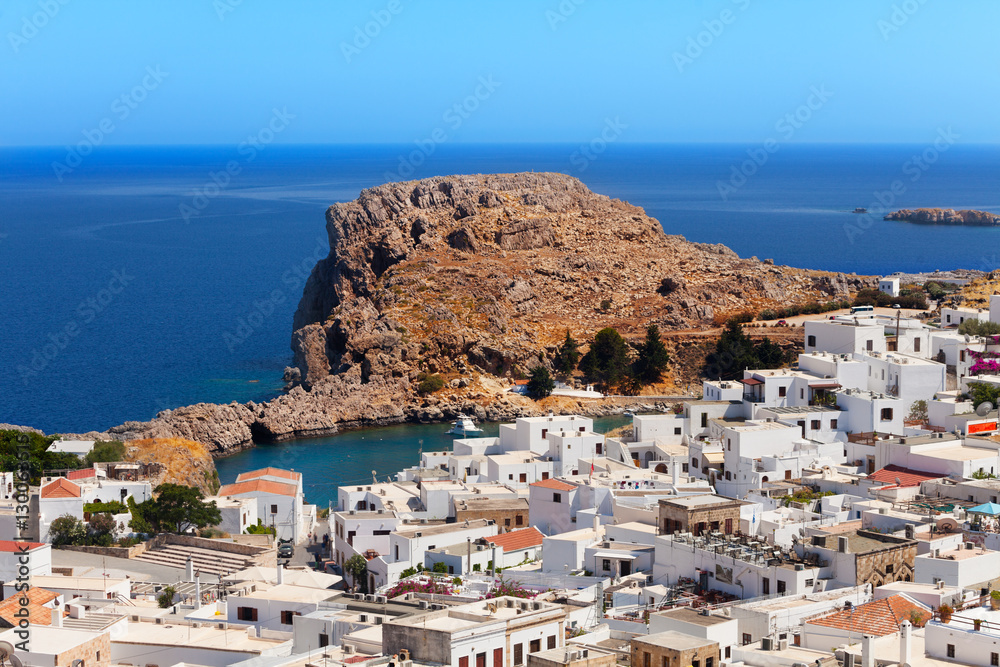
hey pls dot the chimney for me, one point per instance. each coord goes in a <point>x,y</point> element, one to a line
<point>281,575</point>
<point>597,522</point>
<point>868,651</point>
<point>904,643</point>
<point>493,570</point>
<point>57,617</point>
<point>189,569</point>
<point>842,544</point>
<point>675,472</point>
<point>197,590</point>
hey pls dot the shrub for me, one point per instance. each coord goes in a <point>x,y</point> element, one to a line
<point>606,305</point>
<point>767,314</point>
<point>105,452</point>
<point>430,384</point>
<point>166,597</point>
<point>440,568</point>
<point>668,286</point>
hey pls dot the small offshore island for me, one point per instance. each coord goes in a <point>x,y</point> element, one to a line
<point>945,216</point>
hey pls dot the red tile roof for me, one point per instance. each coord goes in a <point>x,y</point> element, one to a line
<point>258,486</point>
<point>38,613</point>
<point>11,546</point>
<point>879,618</point>
<point>269,472</point>
<point>83,473</point>
<point>555,484</point>
<point>518,539</point>
<point>358,658</point>
<point>61,488</point>
<point>906,476</point>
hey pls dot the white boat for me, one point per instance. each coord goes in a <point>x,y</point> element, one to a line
<point>463,426</point>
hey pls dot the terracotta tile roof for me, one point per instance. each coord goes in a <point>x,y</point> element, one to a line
<point>10,546</point>
<point>879,618</point>
<point>906,476</point>
<point>518,539</point>
<point>358,658</point>
<point>269,472</point>
<point>61,488</point>
<point>38,613</point>
<point>554,484</point>
<point>258,486</point>
<point>83,473</point>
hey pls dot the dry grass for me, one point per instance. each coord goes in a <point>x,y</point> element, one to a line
<point>187,462</point>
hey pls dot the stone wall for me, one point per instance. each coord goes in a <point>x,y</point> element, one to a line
<point>673,517</point>
<point>88,652</point>
<point>674,658</point>
<point>508,516</point>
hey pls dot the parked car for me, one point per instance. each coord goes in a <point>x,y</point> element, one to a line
<point>896,306</point>
<point>286,550</point>
<point>781,323</point>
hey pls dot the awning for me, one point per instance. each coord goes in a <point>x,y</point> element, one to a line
<point>620,555</point>
<point>713,457</point>
<point>991,509</point>
<point>824,385</point>
<point>751,381</point>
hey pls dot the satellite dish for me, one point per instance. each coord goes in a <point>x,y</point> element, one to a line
<point>7,656</point>
<point>898,482</point>
<point>984,408</point>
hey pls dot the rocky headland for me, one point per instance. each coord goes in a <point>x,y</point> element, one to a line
<point>477,278</point>
<point>945,216</point>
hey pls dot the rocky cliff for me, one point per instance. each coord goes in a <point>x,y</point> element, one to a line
<point>944,216</point>
<point>478,278</point>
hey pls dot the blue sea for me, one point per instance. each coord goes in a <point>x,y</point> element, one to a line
<point>139,279</point>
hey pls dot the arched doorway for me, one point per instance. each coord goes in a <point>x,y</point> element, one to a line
<point>660,467</point>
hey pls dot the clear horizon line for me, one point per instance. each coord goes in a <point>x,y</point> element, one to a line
<point>497,143</point>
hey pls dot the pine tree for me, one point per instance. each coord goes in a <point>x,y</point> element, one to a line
<point>653,358</point>
<point>568,355</point>
<point>607,360</point>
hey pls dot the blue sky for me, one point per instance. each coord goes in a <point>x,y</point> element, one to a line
<point>888,71</point>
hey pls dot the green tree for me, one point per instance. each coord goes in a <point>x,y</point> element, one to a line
<point>39,455</point>
<point>180,508</point>
<point>769,354</point>
<point>980,392</point>
<point>101,527</point>
<point>357,567</point>
<point>67,529</point>
<point>439,568</point>
<point>540,383</point>
<point>652,359</point>
<point>918,411</point>
<point>105,452</point>
<point>568,355</point>
<point>974,327</point>
<point>165,598</point>
<point>607,360</point>
<point>735,352</point>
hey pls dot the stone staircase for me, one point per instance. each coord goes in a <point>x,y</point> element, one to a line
<point>209,561</point>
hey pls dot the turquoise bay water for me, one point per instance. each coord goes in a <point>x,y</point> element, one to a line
<point>351,456</point>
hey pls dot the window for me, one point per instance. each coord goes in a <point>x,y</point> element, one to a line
<point>747,639</point>
<point>397,553</point>
<point>274,509</point>
<point>810,582</point>
<point>506,522</point>
<point>951,650</point>
<point>557,497</point>
<point>869,345</point>
<point>535,646</point>
<point>916,344</point>
<point>889,568</point>
<point>883,373</point>
<point>645,658</point>
<point>694,463</point>
<point>765,586</point>
<point>677,430</point>
<point>498,657</point>
<point>704,419</point>
<point>544,432</point>
<point>519,520</point>
<point>480,660</point>
<point>463,661</point>
<point>324,640</point>
<point>886,414</point>
<point>995,659</point>
<point>729,476</point>
<point>523,477</point>
<point>545,475</point>
<point>518,654</point>
<point>961,355</point>
<point>379,533</point>
<point>510,477</point>
<point>782,391</point>
<point>811,341</point>
<point>815,425</point>
<point>664,661</point>
<point>708,662</point>
<point>606,564</point>
<point>781,587</point>
<point>551,642</point>
<point>246,614</point>
<point>833,426</point>
<point>684,467</point>
<point>287,616</point>
<point>728,652</point>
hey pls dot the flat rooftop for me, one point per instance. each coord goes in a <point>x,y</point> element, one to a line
<point>800,409</point>
<point>677,641</point>
<point>184,634</point>
<point>697,502</point>
<point>441,528</point>
<point>693,616</point>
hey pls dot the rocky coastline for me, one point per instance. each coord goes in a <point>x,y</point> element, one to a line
<point>945,216</point>
<point>477,279</point>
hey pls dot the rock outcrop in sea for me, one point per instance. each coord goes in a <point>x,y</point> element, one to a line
<point>945,216</point>
<point>478,278</point>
